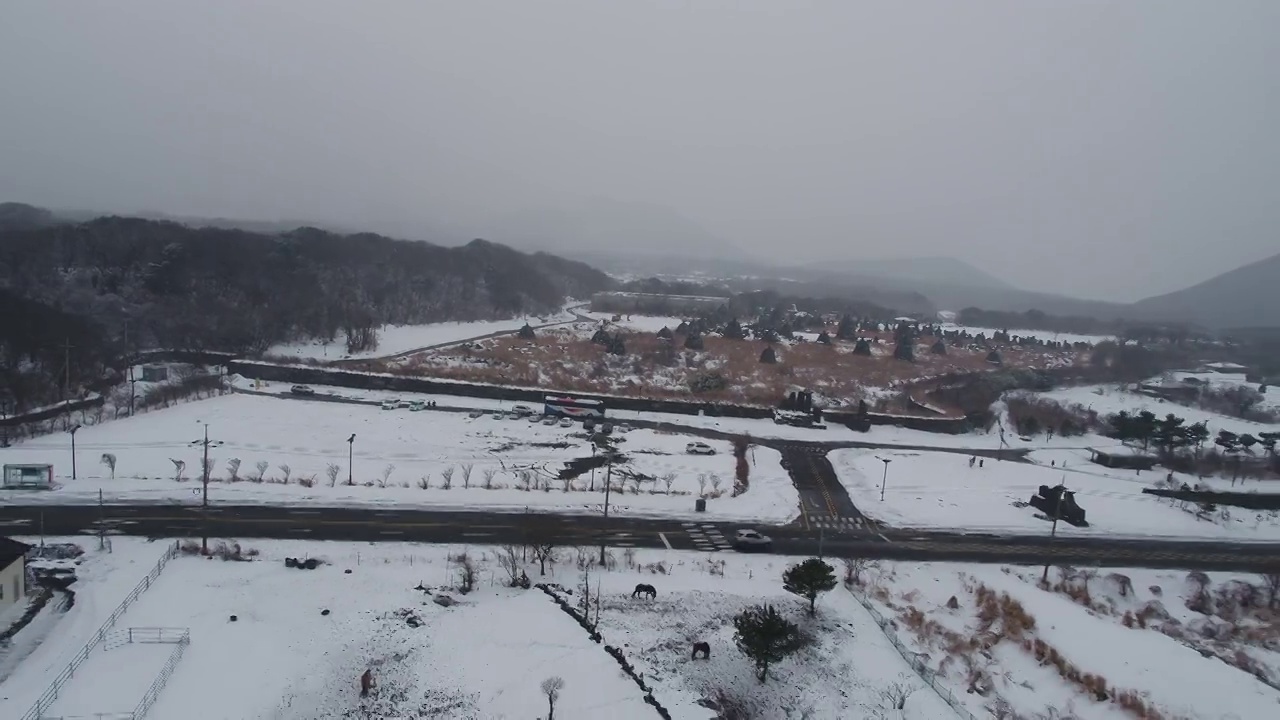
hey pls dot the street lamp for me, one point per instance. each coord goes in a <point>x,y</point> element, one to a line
<point>73,430</point>
<point>1053,531</point>
<point>351,454</point>
<point>884,481</point>
<point>204,502</point>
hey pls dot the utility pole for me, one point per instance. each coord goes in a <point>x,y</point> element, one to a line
<point>204,502</point>
<point>1053,531</point>
<point>102,522</point>
<point>608,481</point>
<point>73,430</point>
<point>133,393</point>
<point>4,424</point>
<point>351,454</point>
<point>884,481</point>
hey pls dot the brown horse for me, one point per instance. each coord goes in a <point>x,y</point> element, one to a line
<point>645,589</point>
<point>702,647</point>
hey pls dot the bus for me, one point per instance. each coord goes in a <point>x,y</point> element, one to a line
<point>572,407</point>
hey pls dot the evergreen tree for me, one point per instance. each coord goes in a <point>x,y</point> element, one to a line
<point>665,333</point>
<point>905,350</point>
<point>863,347</point>
<point>939,348</point>
<point>769,357</point>
<point>694,342</point>
<point>733,330</point>
<point>526,332</point>
<point>809,579</point>
<point>847,328</point>
<point>824,338</point>
<point>766,637</point>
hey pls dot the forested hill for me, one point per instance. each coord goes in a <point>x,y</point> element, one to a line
<point>227,289</point>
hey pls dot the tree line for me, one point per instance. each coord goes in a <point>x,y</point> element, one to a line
<point>116,285</point>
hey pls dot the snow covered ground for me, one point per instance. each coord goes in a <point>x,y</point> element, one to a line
<point>1045,335</point>
<point>1089,646</point>
<point>940,490</point>
<point>639,323</point>
<point>1110,399</point>
<point>393,339</point>
<point>485,657</point>
<point>395,453</point>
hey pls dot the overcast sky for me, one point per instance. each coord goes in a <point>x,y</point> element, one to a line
<point>1109,149</point>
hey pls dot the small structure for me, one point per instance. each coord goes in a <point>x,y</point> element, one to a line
<point>1124,460</point>
<point>13,572</point>
<point>155,373</point>
<point>30,477</point>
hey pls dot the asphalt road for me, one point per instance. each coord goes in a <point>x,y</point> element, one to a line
<point>373,525</point>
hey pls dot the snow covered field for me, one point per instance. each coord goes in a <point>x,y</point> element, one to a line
<point>1110,399</point>
<point>1045,335</point>
<point>638,323</point>
<point>395,453</point>
<point>1089,646</point>
<point>485,657</point>
<point>1003,644</point>
<point>393,339</point>
<point>940,490</point>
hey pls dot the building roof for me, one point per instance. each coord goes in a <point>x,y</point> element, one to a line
<point>11,550</point>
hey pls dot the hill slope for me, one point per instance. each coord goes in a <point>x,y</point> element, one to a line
<point>946,271</point>
<point>1248,296</point>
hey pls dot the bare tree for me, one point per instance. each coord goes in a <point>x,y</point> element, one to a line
<point>424,482</point>
<point>178,467</point>
<point>386,474</point>
<point>233,470</point>
<point>207,466</point>
<point>446,476</point>
<point>895,696</point>
<point>466,475</point>
<point>715,484</point>
<point>566,483</point>
<point>544,550</point>
<point>526,478</point>
<point>285,470</point>
<point>261,469</point>
<point>853,569</point>
<point>669,479</point>
<point>110,461</point>
<point>551,687</point>
<point>702,485</point>
<point>1271,586</point>
<point>509,561</point>
<point>488,478</point>
<point>332,471</point>
<point>466,574</point>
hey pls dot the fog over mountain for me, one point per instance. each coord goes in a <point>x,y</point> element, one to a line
<point>1109,151</point>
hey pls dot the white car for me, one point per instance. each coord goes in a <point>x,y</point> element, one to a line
<point>474,414</point>
<point>549,420</point>
<point>405,404</point>
<point>751,541</point>
<point>566,422</point>
<point>699,448</point>
<point>497,415</point>
<point>522,410</point>
<point>390,404</point>
<point>534,418</point>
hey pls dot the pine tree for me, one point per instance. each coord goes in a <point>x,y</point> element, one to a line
<point>769,357</point>
<point>766,637</point>
<point>863,347</point>
<point>694,342</point>
<point>824,338</point>
<point>808,580</point>
<point>846,329</point>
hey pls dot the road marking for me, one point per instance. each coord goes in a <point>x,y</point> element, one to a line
<point>882,537</point>
<point>476,534</point>
<point>300,530</point>
<point>392,532</point>
<point>665,541</point>
<point>304,512</point>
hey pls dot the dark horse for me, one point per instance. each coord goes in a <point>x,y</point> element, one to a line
<point>702,647</point>
<point>643,589</point>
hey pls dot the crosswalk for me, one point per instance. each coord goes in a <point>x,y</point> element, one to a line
<point>706,537</point>
<point>838,523</point>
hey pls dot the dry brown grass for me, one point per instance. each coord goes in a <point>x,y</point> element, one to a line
<point>565,359</point>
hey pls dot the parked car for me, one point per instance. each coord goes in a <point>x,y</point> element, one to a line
<point>497,415</point>
<point>405,404</point>
<point>699,448</point>
<point>535,418</point>
<point>606,429</point>
<point>566,422</point>
<point>624,428</point>
<point>751,541</point>
<point>549,420</point>
<point>417,405</point>
<point>390,404</point>
<point>302,390</point>
<point>475,414</point>
<point>522,410</point>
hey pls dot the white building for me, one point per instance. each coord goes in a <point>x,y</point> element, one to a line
<point>13,572</point>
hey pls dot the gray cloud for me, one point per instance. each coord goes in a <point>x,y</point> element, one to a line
<point>1100,149</point>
